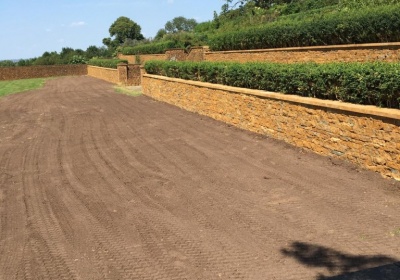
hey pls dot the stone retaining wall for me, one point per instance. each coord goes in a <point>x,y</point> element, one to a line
<point>142,58</point>
<point>125,74</point>
<point>30,72</point>
<point>365,135</point>
<point>197,54</point>
<point>106,74</point>
<point>388,52</point>
<point>175,55</point>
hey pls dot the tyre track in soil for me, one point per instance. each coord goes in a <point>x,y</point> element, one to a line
<point>98,185</point>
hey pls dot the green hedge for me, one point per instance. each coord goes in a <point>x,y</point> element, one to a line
<point>107,63</point>
<point>369,25</point>
<point>152,48</point>
<point>360,83</point>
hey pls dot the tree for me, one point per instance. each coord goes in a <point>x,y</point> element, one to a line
<point>265,4</point>
<point>109,43</point>
<point>66,52</point>
<point>179,24</point>
<point>160,34</point>
<point>123,28</point>
<point>7,63</point>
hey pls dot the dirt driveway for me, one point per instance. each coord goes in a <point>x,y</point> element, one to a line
<point>100,185</point>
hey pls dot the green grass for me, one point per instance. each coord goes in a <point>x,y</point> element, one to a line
<point>9,87</point>
<point>132,91</point>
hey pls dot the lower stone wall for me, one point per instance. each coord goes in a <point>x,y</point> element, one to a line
<point>147,57</point>
<point>106,74</point>
<point>389,52</point>
<point>143,58</point>
<point>365,135</point>
<point>130,58</point>
<point>197,54</point>
<point>175,55</point>
<point>30,72</point>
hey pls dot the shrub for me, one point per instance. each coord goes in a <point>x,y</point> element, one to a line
<point>369,25</point>
<point>361,83</point>
<point>7,63</point>
<point>107,63</point>
<point>77,59</point>
<point>151,48</point>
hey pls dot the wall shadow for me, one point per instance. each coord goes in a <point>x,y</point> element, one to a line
<point>344,266</point>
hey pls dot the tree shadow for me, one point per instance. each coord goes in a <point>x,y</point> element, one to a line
<point>342,264</point>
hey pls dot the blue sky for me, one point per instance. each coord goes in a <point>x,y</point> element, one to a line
<point>31,27</point>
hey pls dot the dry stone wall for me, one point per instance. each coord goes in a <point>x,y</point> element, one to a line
<point>197,54</point>
<point>387,52</point>
<point>318,56</point>
<point>142,58</point>
<point>29,72</point>
<point>125,74</point>
<point>106,74</point>
<point>365,135</point>
<point>175,55</point>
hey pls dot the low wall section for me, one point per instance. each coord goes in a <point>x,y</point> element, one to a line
<point>365,135</point>
<point>142,58</point>
<point>106,74</point>
<point>30,72</point>
<point>388,52</point>
<point>125,74</point>
<point>146,57</point>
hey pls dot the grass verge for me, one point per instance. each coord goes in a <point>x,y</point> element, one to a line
<point>132,91</point>
<point>9,87</point>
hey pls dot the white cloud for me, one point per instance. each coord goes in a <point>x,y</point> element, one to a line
<point>170,1</point>
<point>77,24</point>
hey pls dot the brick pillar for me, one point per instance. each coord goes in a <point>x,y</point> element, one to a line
<point>122,73</point>
<point>134,75</point>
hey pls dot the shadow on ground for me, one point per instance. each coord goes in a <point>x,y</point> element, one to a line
<point>343,265</point>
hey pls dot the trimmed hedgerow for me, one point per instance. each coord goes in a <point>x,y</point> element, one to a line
<point>368,25</point>
<point>107,63</point>
<point>152,48</point>
<point>360,83</point>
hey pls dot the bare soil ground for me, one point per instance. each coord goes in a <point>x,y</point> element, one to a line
<point>100,185</point>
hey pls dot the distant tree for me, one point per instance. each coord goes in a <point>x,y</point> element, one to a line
<point>160,34</point>
<point>265,4</point>
<point>94,51</point>
<point>66,52</point>
<point>79,52</point>
<point>109,43</point>
<point>25,62</point>
<point>123,28</point>
<point>180,24</point>
<point>48,59</point>
<point>7,63</point>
